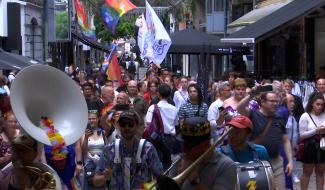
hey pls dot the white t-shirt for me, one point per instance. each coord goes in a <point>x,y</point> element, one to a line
<point>169,116</point>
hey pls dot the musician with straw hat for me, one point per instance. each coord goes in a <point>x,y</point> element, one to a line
<point>216,171</point>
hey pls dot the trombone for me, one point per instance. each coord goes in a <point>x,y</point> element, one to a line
<point>164,182</point>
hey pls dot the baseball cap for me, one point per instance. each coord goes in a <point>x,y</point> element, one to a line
<point>241,122</point>
<point>131,115</point>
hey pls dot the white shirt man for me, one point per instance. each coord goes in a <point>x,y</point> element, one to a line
<point>168,112</point>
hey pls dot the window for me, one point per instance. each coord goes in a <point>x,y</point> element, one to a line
<point>218,5</point>
<point>209,6</point>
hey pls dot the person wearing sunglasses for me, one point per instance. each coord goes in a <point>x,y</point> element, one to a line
<point>128,162</point>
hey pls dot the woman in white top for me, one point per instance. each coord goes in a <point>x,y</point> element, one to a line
<point>93,143</point>
<point>311,127</point>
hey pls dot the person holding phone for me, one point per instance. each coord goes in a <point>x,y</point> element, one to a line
<point>93,143</point>
<point>216,108</point>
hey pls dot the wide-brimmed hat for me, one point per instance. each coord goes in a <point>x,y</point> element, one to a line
<point>25,142</point>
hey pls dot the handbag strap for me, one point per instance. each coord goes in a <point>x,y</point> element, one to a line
<point>258,139</point>
<point>312,120</point>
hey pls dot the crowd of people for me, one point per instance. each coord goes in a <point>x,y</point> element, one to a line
<point>265,121</point>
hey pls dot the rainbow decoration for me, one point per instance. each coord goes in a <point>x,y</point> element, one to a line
<point>109,17</point>
<point>112,10</point>
<point>121,6</point>
<point>59,150</point>
<point>107,109</point>
<point>113,71</point>
<point>83,21</point>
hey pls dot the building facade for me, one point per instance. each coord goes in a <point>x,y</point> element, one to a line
<point>21,28</point>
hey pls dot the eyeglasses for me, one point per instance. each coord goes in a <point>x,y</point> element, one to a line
<point>130,124</point>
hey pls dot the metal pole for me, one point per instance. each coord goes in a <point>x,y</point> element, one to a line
<point>225,8</point>
<point>45,30</point>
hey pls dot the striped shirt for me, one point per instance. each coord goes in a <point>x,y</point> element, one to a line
<point>189,109</point>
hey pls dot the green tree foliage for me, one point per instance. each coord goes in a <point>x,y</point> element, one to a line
<point>61,24</point>
<point>125,27</point>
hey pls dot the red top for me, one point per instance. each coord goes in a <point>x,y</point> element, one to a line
<point>147,97</point>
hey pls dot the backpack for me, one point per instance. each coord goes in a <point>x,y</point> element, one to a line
<point>155,130</point>
<point>154,133</point>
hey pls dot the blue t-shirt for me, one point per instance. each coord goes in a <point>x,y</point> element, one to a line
<point>246,155</point>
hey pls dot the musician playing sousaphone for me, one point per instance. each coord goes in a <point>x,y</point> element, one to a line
<point>217,171</point>
<point>47,116</point>
<point>23,172</point>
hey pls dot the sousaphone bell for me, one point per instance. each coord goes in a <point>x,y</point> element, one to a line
<point>43,91</point>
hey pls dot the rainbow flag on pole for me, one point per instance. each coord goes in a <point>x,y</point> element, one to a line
<point>83,21</point>
<point>112,10</point>
<point>113,71</point>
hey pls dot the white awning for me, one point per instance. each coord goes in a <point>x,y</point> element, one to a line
<point>254,16</point>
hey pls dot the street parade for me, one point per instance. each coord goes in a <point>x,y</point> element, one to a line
<point>165,94</point>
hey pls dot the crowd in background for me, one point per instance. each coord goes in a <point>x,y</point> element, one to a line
<point>180,97</point>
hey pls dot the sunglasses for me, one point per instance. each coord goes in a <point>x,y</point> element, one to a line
<point>130,124</point>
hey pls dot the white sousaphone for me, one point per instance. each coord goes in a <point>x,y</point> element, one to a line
<point>39,91</point>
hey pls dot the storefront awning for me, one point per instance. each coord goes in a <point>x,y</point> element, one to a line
<point>90,43</point>
<point>254,16</point>
<point>192,41</point>
<point>9,61</point>
<point>257,31</point>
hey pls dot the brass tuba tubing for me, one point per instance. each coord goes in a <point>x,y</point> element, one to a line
<point>44,178</point>
<point>177,182</point>
<point>182,176</point>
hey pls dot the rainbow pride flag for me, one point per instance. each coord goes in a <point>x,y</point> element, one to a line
<point>121,6</point>
<point>113,71</point>
<point>112,10</point>
<point>83,21</point>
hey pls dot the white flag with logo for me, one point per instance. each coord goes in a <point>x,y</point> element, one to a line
<point>144,38</point>
<point>158,40</point>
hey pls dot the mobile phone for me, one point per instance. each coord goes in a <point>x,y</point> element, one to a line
<point>229,109</point>
<point>89,128</point>
<point>265,88</point>
<point>122,107</point>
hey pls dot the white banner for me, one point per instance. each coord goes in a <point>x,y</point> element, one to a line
<point>157,42</point>
<point>144,38</point>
